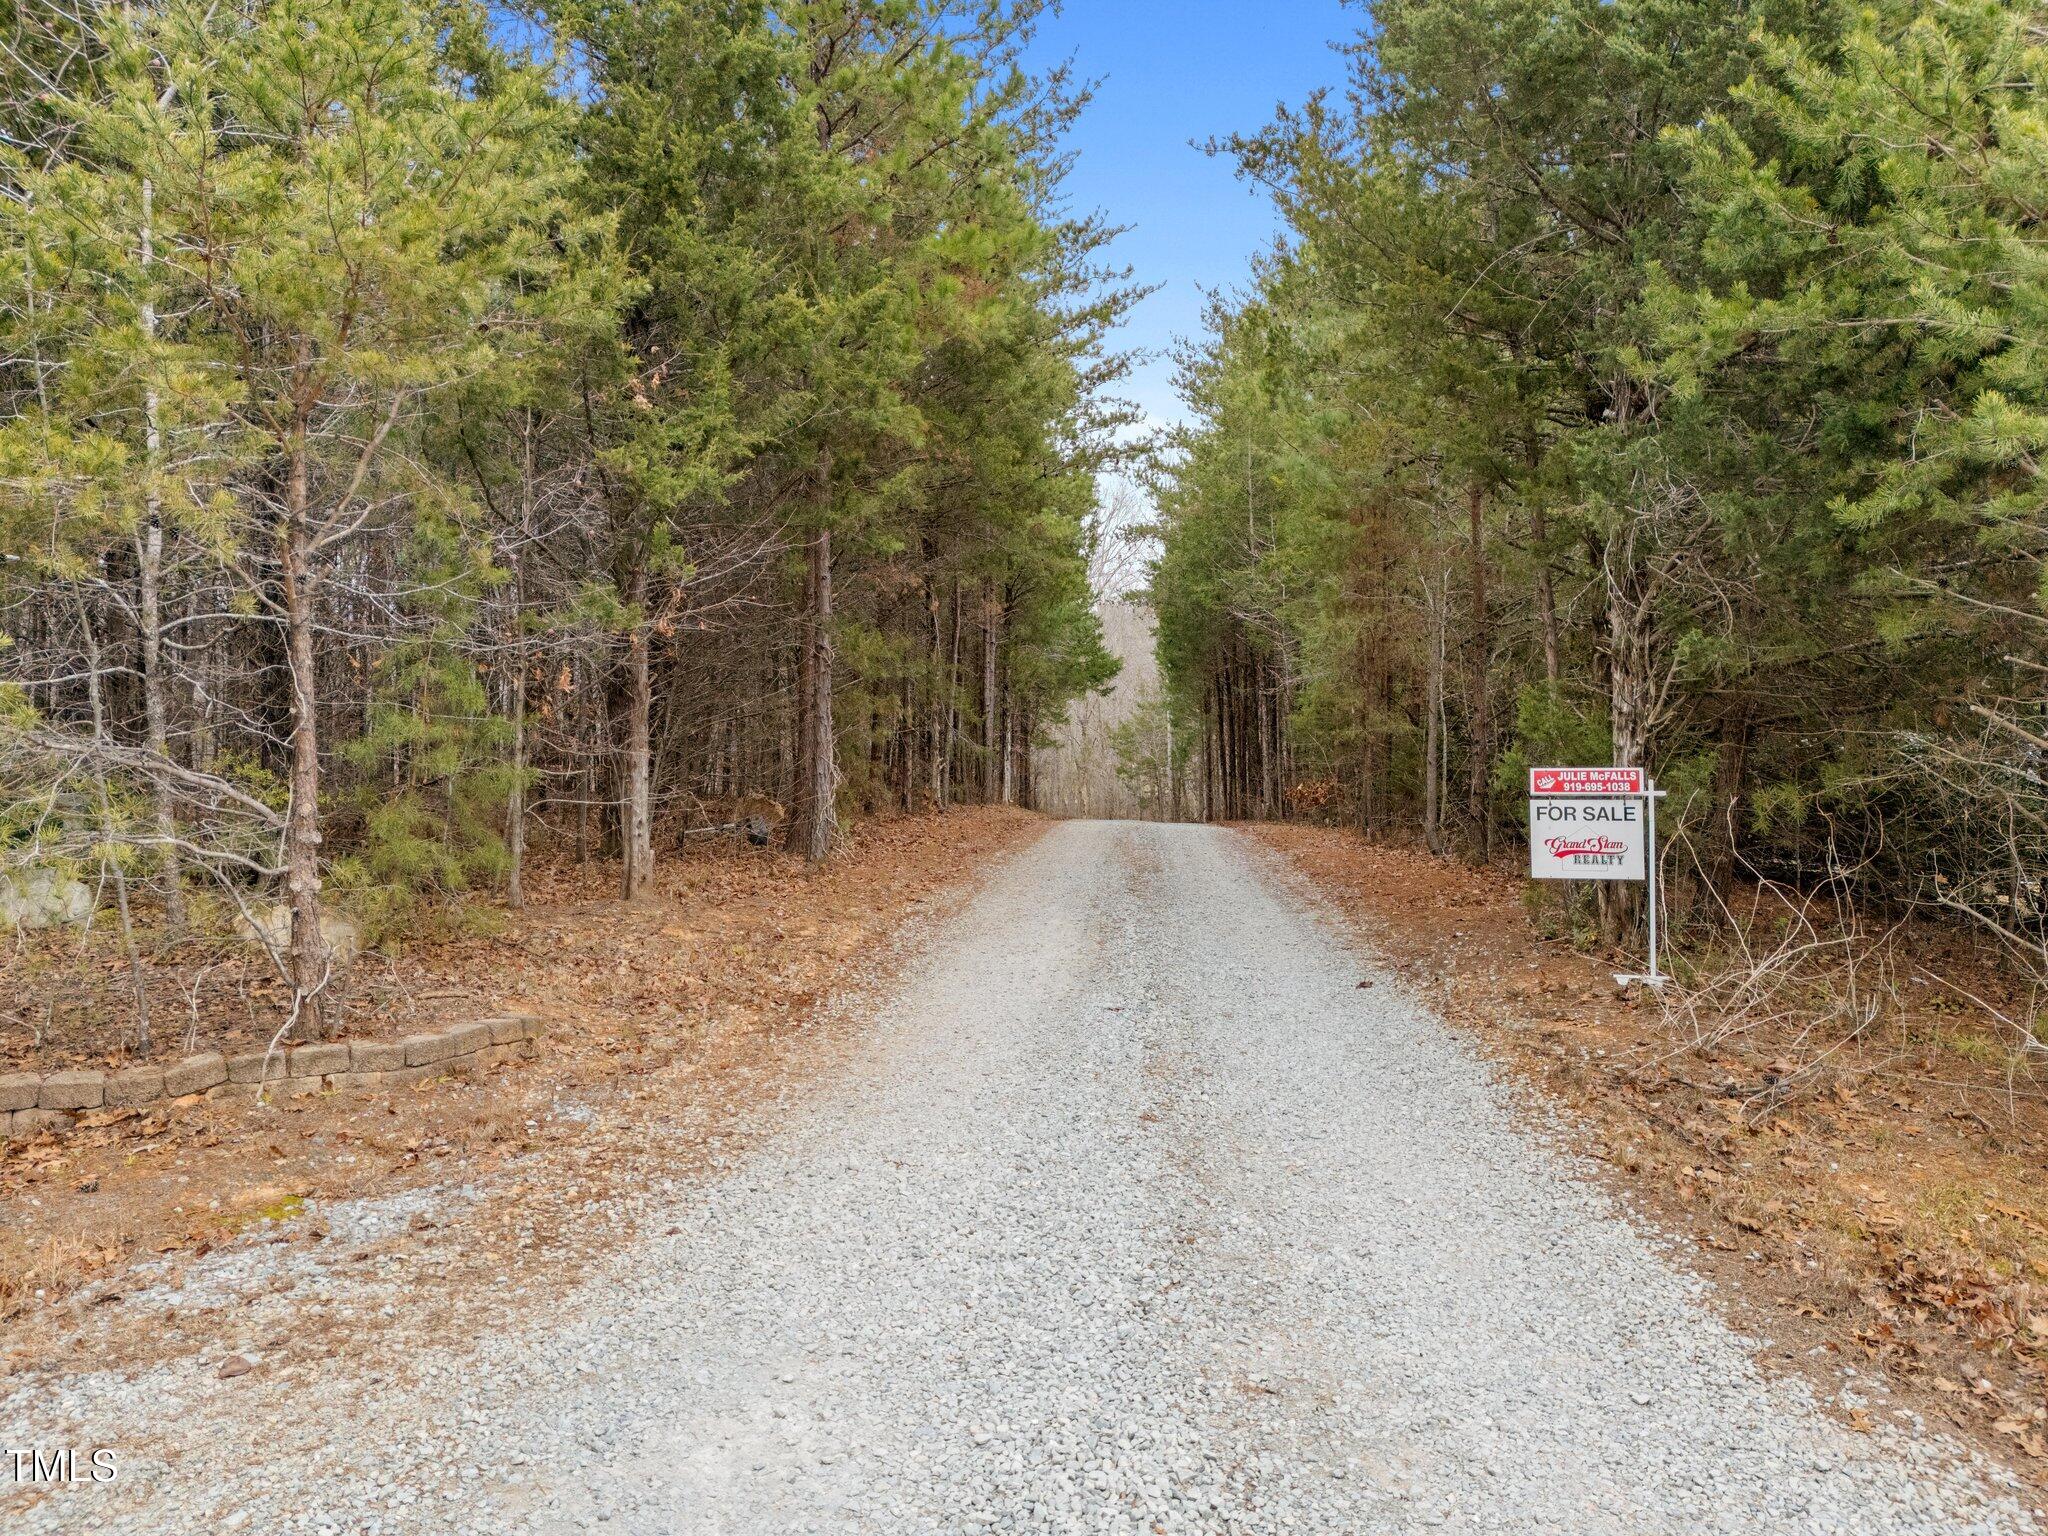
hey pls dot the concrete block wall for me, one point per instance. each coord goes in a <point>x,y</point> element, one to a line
<point>33,1102</point>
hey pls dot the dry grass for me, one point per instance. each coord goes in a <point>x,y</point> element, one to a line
<point>57,1264</point>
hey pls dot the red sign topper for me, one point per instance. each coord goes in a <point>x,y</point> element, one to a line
<point>1585,781</point>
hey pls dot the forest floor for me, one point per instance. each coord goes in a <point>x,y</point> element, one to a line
<point>731,935</point>
<point>1859,1195</point>
<point>705,981</point>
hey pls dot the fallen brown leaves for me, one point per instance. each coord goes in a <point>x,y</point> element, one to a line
<point>686,993</point>
<point>1883,1205</point>
<point>728,928</point>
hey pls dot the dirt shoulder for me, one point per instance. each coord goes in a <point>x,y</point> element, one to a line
<point>665,1015</point>
<point>1865,1205</point>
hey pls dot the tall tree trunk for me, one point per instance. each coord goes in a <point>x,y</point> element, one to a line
<point>309,958</point>
<point>1229,743</point>
<point>816,816</point>
<point>800,720</point>
<point>938,704</point>
<point>1632,704</point>
<point>1480,769</point>
<point>991,705</point>
<point>1027,769</point>
<point>515,794</point>
<point>788,770</point>
<point>909,737</point>
<point>1630,682</point>
<point>149,562</point>
<point>1172,784</point>
<point>1223,738</point>
<point>112,866</point>
<point>1546,600</point>
<point>1369,742</point>
<point>1268,746</point>
<point>880,795</point>
<point>149,556</point>
<point>1432,730</point>
<point>1209,758</point>
<point>1285,707</point>
<point>587,743</point>
<point>952,707</point>
<point>636,803</point>
<point>1009,748</point>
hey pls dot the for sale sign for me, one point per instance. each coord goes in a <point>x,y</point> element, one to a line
<point>1585,781</point>
<point>1587,837</point>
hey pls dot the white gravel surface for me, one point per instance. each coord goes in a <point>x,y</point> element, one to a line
<point>1132,1213</point>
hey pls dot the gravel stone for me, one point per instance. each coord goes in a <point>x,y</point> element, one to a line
<point>1129,1213</point>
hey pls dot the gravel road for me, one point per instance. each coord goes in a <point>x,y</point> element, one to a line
<point>1131,1212</point>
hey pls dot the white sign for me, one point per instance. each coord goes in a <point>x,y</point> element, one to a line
<point>1586,781</point>
<point>1587,837</point>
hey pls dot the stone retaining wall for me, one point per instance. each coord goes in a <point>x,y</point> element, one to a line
<point>51,1101</point>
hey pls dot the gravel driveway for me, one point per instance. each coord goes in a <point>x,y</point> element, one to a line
<point>1133,1212</point>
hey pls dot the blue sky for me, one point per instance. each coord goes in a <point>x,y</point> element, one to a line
<point>1174,71</point>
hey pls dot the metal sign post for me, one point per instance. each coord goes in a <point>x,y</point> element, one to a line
<point>1597,824</point>
<point>1653,977</point>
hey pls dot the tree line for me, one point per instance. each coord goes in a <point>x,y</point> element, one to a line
<point>428,424</point>
<point>1650,382</point>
